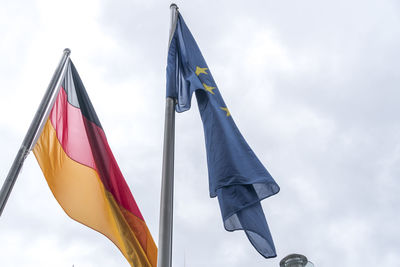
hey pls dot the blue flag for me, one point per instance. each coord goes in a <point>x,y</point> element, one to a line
<point>236,176</point>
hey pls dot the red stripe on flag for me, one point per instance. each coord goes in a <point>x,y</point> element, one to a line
<point>86,143</point>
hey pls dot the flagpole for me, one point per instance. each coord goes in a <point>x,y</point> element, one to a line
<point>36,125</point>
<point>167,183</point>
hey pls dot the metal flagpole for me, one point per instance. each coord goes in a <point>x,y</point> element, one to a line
<point>36,126</point>
<point>167,183</point>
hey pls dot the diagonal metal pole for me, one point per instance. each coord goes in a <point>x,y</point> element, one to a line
<point>34,130</point>
<point>167,183</point>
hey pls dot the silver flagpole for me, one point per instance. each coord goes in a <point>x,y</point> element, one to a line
<point>167,183</point>
<point>33,131</point>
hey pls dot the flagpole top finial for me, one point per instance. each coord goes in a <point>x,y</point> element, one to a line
<point>173,5</point>
<point>67,51</point>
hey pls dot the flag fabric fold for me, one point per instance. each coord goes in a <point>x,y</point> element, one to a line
<point>84,177</point>
<point>236,176</point>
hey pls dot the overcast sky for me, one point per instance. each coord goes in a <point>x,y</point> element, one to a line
<point>312,85</point>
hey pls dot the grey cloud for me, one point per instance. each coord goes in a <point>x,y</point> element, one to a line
<point>312,87</point>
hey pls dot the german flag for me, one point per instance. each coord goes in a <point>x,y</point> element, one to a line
<point>83,174</point>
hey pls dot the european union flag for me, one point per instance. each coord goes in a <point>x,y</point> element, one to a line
<point>236,175</point>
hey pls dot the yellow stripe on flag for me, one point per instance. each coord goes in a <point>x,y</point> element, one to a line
<point>80,192</point>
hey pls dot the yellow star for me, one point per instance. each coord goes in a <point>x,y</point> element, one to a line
<point>200,70</point>
<point>209,88</point>
<point>227,111</point>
